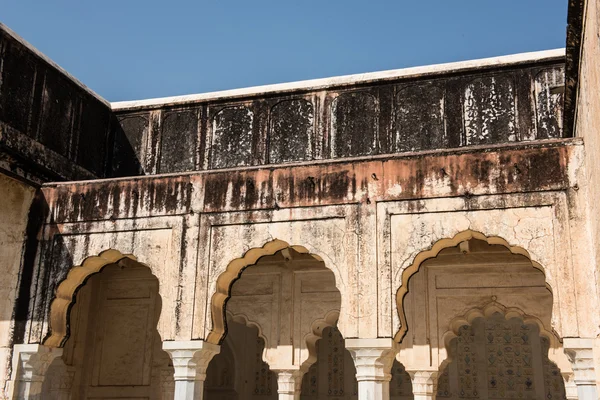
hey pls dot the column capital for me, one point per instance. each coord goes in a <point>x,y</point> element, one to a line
<point>570,386</point>
<point>30,363</point>
<point>580,352</point>
<point>289,383</point>
<point>373,358</point>
<point>191,358</point>
<point>424,383</point>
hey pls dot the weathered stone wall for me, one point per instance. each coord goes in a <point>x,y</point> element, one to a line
<point>449,108</point>
<point>587,114</point>
<point>51,126</point>
<point>15,201</point>
<point>367,220</point>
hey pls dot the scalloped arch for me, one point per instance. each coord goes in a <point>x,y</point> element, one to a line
<point>66,293</point>
<point>243,319</point>
<point>232,273</point>
<point>434,251</point>
<point>316,332</point>
<point>507,312</point>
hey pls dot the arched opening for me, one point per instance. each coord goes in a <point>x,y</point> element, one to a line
<point>333,374</point>
<point>483,311</point>
<point>239,371</point>
<point>461,245</point>
<point>495,357</point>
<point>276,301</point>
<point>400,384</point>
<point>111,346</point>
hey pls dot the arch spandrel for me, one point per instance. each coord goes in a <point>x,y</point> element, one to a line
<point>456,240</point>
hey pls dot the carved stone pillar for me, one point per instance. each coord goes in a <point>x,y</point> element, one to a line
<point>581,354</point>
<point>30,363</point>
<point>570,386</point>
<point>424,384</point>
<point>289,383</point>
<point>373,359</point>
<point>190,361</point>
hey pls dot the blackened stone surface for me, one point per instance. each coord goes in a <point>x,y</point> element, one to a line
<point>291,131</point>
<point>575,17</point>
<point>43,108</point>
<point>17,77</point>
<point>129,135</point>
<point>58,104</point>
<point>354,125</point>
<point>92,144</point>
<point>232,137</point>
<point>497,104</point>
<point>420,118</point>
<point>549,91</point>
<point>178,140</point>
<point>489,111</point>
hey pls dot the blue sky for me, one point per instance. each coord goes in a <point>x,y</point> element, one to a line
<point>133,49</point>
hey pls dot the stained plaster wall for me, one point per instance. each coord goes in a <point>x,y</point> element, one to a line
<point>15,201</point>
<point>511,99</point>
<point>587,122</point>
<point>585,42</point>
<point>367,219</point>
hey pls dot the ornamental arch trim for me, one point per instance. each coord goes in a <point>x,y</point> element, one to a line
<point>66,292</point>
<point>433,252</point>
<point>507,312</point>
<point>232,273</point>
<point>558,357</point>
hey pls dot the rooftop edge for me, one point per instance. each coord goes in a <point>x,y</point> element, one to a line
<point>46,59</point>
<point>345,80</point>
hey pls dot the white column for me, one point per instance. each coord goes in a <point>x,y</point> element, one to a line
<point>424,384</point>
<point>289,384</point>
<point>190,361</point>
<point>581,354</point>
<point>373,359</point>
<point>570,386</point>
<point>30,363</point>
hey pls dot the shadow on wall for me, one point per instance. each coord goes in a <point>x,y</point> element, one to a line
<point>126,152</point>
